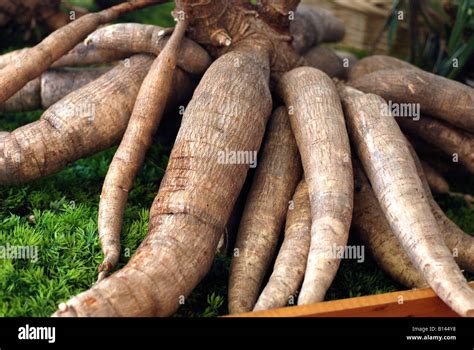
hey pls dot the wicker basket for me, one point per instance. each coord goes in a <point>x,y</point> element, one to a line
<point>364,21</point>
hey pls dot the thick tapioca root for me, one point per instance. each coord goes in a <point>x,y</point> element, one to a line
<point>290,265</point>
<point>31,63</point>
<point>50,87</point>
<point>371,226</point>
<point>142,38</point>
<point>85,122</point>
<point>312,26</point>
<point>278,172</point>
<point>375,63</point>
<point>325,59</point>
<point>460,243</point>
<point>436,96</point>
<point>318,124</point>
<point>197,194</point>
<point>387,161</point>
<point>130,155</point>
<point>454,142</point>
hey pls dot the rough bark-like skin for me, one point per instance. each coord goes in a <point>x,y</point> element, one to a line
<point>196,195</point>
<point>435,180</point>
<point>27,99</point>
<point>438,97</point>
<point>371,226</point>
<point>278,172</point>
<point>53,85</point>
<point>391,170</point>
<point>312,26</point>
<point>11,57</point>
<point>142,38</point>
<point>128,159</point>
<point>86,121</point>
<point>35,61</point>
<point>460,243</point>
<point>288,271</point>
<point>325,59</point>
<point>83,54</point>
<point>66,132</point>
<point>450,139</point>
<point>57,83</point>
<point>219,24</point>
<point>318,124</point>
<point>375,63</point>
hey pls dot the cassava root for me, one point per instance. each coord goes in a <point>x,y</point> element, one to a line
<point>318,124</point>
<point>275,180</point>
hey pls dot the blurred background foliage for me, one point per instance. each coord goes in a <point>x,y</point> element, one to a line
<point>440,34</point>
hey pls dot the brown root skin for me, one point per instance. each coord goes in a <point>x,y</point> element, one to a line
<point>196,195</point>
<point>371,226</point>
<point>12,57</point>
<point>451,140</point>
<point>128,159</point>
<point>435,180</point>
<point>375,63</point>
<point>83,55</point>
<point>290,264</point>
<point>312,26</point>
<point>325,59</point>
<point>317,121</point>
<point>278,172</point>
<point>142,38</point>
<point>387,161</point>
<point>50,87</point>
<point>460,243</point>
<point>437,96</point>
<point>31,152</point>
<point>34,61</point>
<point>222,24</point>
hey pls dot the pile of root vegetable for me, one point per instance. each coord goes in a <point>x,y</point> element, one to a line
<point>331,155</point>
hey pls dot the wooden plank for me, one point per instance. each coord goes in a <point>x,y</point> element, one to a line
<point>410,303</point>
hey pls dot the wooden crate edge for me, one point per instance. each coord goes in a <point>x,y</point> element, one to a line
<point>409,303</point>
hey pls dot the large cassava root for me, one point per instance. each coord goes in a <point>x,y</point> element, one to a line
<point>375,63</point>
<point>460,243</point>
<point>85,122</point>
<point>142,38</point>
<point>312,26</point>
<point>146,116</point>
<point>189,215</point>
<point>372,228</point>
<point>437,96</point>
<point>36,60</point>
<point>318,124</point>
<point>50,87</point>
<point>456,143</point>
<point>391,170</point>
<point>274,182</point>
<point>288,271</point>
